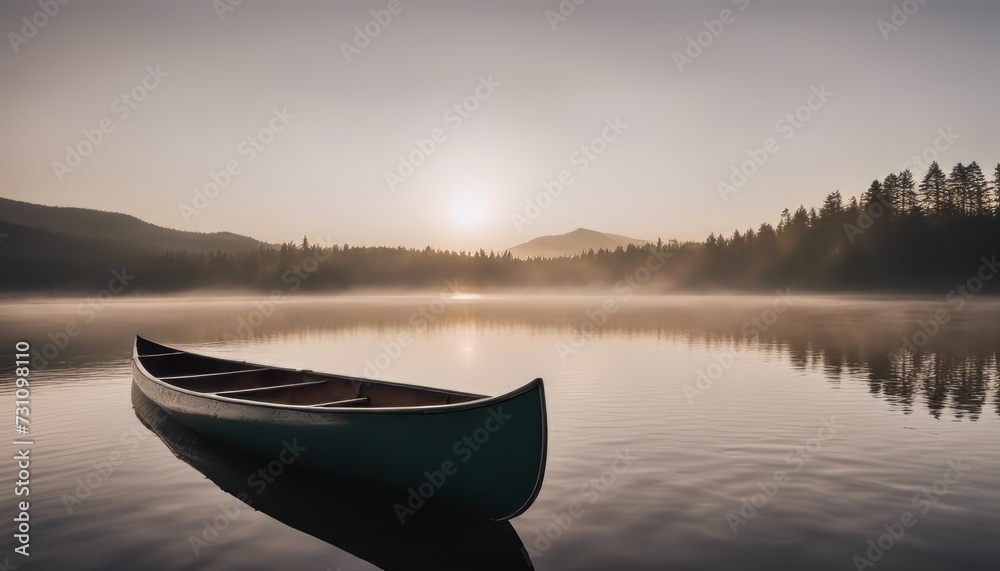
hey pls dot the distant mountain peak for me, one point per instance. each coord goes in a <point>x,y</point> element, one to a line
<point>572,244</point>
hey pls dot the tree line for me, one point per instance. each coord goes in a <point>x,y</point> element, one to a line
<point>898,235</point>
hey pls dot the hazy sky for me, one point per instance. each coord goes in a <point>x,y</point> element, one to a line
<point>533,95</point>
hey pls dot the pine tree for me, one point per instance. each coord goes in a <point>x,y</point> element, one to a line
<point>907,198</point>
<point>737,239</point>
<point>766,233</point>
<point>786,219</point>
<point>873,194</point>
<point>957,196</point>
<point>801,217</point>
<point>890,191</point>
<point>978,202</point>
<point>996,190</point>
<point>832,205</point>
<point>933,189</point>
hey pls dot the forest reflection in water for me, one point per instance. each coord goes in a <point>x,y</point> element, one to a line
<point>896,345</point>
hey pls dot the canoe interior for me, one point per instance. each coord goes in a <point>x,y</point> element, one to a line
<point>262,384</point>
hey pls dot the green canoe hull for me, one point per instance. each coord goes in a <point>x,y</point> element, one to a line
<point>485,457</point>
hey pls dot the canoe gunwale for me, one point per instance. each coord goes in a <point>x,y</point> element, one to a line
<point>479,402</point>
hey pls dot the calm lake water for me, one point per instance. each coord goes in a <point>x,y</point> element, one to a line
<point>758,433</point>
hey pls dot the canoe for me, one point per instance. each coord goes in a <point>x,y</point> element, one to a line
<point>357,520</point>
<point>433,449</point>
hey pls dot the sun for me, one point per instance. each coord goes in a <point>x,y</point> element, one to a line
<point>468,210</point>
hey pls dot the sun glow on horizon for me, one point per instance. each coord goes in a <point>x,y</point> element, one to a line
<point>469,210</point>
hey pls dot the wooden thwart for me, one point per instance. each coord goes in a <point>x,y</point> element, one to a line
<point>201,376</point>
<point>270,388</point>
<point>344,402</point>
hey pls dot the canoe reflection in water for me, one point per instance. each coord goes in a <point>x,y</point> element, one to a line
<point>361,521</point>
